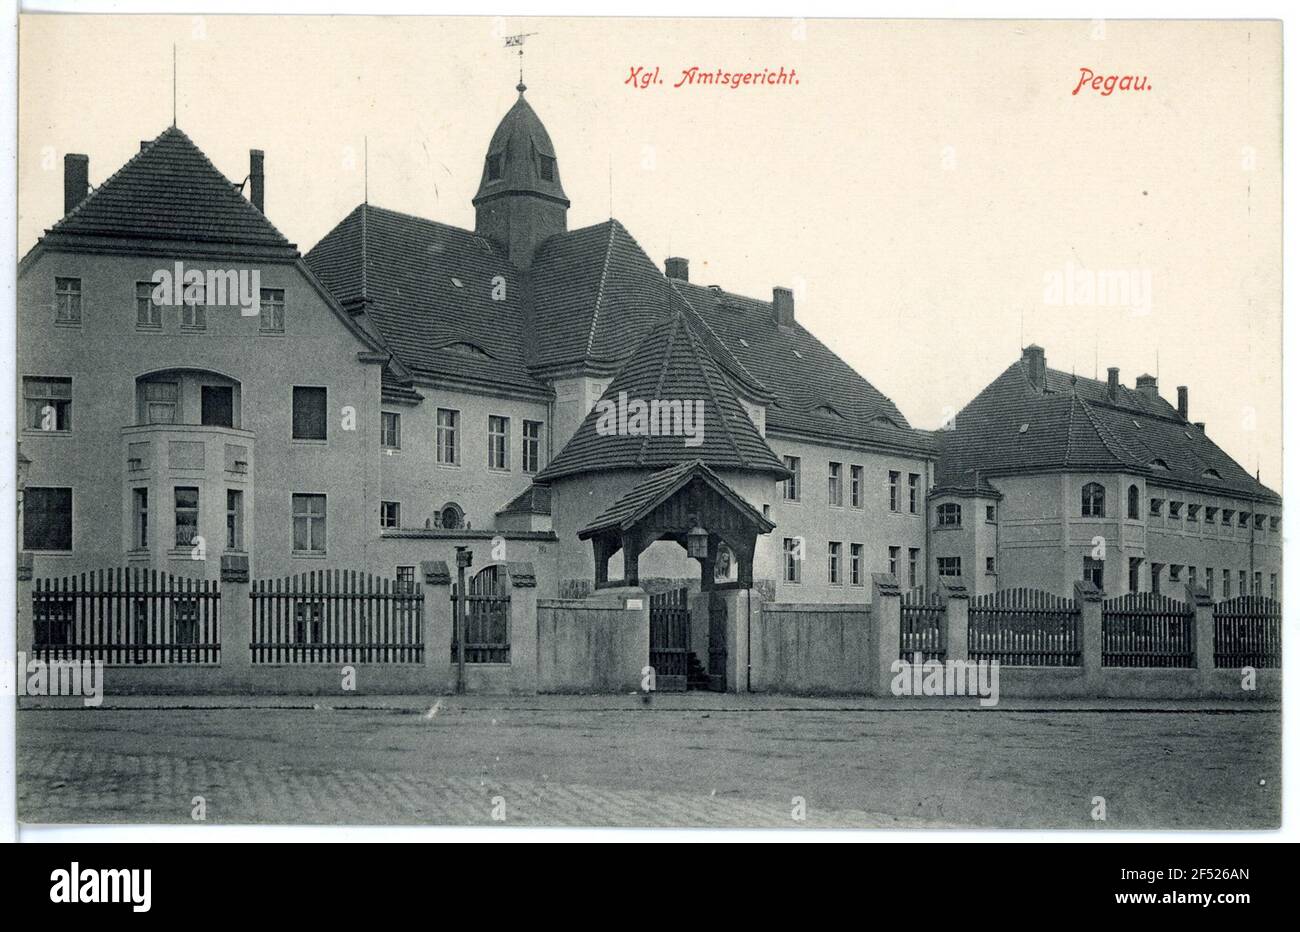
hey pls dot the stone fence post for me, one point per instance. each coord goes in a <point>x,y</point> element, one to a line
<point>24,625</point>
<point>956,617</point>
<point>1089,598</point>
<point>886,619</point>
<point>437,621</point>
<point>523,627</point>
<point>236,620</point>
<point>1198,599</point>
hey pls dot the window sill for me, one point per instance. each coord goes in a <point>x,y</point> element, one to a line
<point>68,324</point>
<point>447,465</point>
<point>186,553</point>
<point>270,333</point>
<point>308,442</point>
<point>308,554</point>
<point>142,328</point>
<point>37,432</point>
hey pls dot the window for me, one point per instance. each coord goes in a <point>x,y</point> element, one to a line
<point>450,515</point>
<point>1274,523</point>
<point>1227,516</point>
<point>309,407</point>
<point>834,487</point>
<point>833,553</point>
<point>1193,511</point>
<point>1133,505</point>
<point>790,491</point>
<point>217,405</point>
<point>1272,586</point>
<point>390,430</point>
<point>990,566</point>
<point>1157,504</point>
<point>1094,571</point>
<point>1259,584</point>
<point>498,442</point>
<point>855,486</point>
<point>494,166</point>
<point>894,493</point>
<point>1175,572</point>
<point>1209,581</point>
<point>547,165</point>
<point>187,516</point>
<point>1175,511</point>
<point>1157,573</point>
<point>160,402</point>
<point>893,560</point>
<point>1211,513</point>
<point>67,300</point>
<point>913,492</point>
<point>855,564</point>
<point>991,514</point>
<point>1227,584</point>
<point>194,313</point>
<point>1094,501</point>
<point>234,519</point>
<point>949,514</point>
<point>1259,522</point>
<point>48,404</point>
<point>532,446</point>
<point>1191,576</point>
<point>448,427</point>
<point>406,579</point>
<point>309,523</point>
<point>148,314</point>
<point>913,558</point>
<point>1134,569</point>
<point>949,566</point>
<point>1243,518</point>
<point>792,554</point>
<point>271,312</point>
<point>140,531</point>
<point>390,514</point>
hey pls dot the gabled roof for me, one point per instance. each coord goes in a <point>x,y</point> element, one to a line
<point>168,192</point>
<point>656,489</point>
<point>669,365</point>
<point>1071,424</point>
<point>804,374</point>
<point>448,303</point>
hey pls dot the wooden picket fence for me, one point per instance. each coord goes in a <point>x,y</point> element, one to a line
<point>336,616</point>
<point>1024,628</point>
<point>129,615</point>
<point>1143,629</point>
<point>923,627</point>
<point>1248,632</point>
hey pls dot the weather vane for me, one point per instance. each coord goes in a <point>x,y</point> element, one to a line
<point>517,41</point>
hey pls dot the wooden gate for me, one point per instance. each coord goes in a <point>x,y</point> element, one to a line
<point>670,639</point>
<point>487,618</point>
<point>717,642</point>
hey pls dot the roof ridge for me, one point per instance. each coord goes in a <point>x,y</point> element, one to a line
<point>665,364</point>
<point>600,291</point>
<point>692,339</point>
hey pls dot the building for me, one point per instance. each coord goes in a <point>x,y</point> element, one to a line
<point>1046,478</point>
<point>524,389</point>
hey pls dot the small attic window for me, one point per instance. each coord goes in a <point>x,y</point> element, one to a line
<point>1211,474</point>
<point>1024,428</point>
<point>494,166</point>
<point>1137,424</point>
<point>467,349</point>
<point>547,167</point>
<point>744,342</point>
<point>458,283</point>
<point>828,411</point>
<point>799,354</point>
<point>1187,435</point>
<point>1159,464</point>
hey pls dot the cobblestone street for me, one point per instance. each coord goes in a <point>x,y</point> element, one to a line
<point>685,760</point>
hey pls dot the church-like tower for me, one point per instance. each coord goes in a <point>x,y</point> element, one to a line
<point>520,201</point>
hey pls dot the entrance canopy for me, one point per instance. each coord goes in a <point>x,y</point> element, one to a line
<point>669,505</point>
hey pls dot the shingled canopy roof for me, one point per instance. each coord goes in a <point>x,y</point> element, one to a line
<point>169,192</point>
<point>1071,424</point>
<point>669,365</point>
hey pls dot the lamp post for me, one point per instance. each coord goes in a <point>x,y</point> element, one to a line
<point>464,560</point>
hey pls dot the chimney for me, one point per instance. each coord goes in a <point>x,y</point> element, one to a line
<point>1035,364</point>
<point>1200,425</point>
<point>678,268</point>
<point>1147,388</point>
<point>1182,402</point>
<point>783,306</point>
<point>1112,384</point>
<point>76,180</point>
<point>256,180</point>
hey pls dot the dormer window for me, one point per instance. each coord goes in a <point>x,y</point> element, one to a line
<point>1159,464</point>
<point>546,166</point>
<point>494,166</point>
<point>828,411</point>
<point>1211,474</point>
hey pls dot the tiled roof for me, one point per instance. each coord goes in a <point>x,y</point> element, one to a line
<point>669,364</point>
<point>169,191</point>
<point>449,304</point>
<point>817,393</point>
<point>534,500</point>
<point>648,494</point>
<point>1071,424</point>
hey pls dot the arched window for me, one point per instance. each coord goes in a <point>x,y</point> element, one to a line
<point>450,515</point>
<point>1133,503</point>
<point>1094,501</point>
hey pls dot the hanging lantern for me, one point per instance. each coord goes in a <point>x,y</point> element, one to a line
<point>697,543</point>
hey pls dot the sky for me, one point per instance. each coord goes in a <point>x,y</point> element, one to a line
<point>934,192</point>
